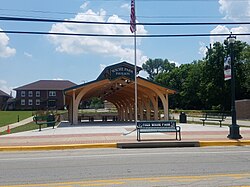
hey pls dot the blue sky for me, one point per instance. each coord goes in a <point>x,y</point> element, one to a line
<point>28,58</point>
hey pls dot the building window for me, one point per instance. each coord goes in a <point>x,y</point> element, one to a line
<point>52,103</point>
<point>22,101</point>
<point>30,94</point>
<point>22,93</point>
<point>30,102</point>
<point>38,94</point>
<point>52,93</point>
<point>37,101</point>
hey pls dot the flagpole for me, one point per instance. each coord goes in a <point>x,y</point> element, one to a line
<point>136,100</point>
<point>133,30</point>
<point>135,79</point>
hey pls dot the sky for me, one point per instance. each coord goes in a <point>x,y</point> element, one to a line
<point>27,58</point>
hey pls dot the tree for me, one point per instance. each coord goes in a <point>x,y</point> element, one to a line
<point>156,66</point>
<point>96,103</point>
<point>201,84</point>
<point>213,89</point>
<point>245,59</point>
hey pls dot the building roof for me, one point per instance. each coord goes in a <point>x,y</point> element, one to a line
<point>2,93</point>
<point>47,85</point>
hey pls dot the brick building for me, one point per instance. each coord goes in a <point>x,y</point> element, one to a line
<point>42,95</point>
<point>243,109</point>
<point>3,99</point>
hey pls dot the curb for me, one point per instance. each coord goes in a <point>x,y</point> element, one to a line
<point>58,147</point>
<point>157,144</point>
<point>132,145</point>
<point>224,143</point>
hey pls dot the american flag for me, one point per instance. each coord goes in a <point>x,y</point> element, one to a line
<point>132,17</point>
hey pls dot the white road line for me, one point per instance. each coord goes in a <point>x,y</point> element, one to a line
<point>119,155</point>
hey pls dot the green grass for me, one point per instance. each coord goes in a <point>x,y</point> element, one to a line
<point>27,127</point>
<point>9,117</point>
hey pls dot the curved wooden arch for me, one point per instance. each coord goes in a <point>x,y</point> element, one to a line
<point>121,94</point>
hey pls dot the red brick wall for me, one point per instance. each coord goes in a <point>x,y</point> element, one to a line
<point>243,109</point>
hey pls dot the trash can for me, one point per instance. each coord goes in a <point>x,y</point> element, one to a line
<point>50,118</point>
<point>183,117</point>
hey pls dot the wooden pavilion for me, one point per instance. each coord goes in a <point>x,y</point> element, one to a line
<point>116,85</point>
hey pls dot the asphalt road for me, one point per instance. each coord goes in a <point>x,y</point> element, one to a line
<point>213,166</point>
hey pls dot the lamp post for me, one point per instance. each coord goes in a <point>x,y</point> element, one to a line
<point>234,128</point>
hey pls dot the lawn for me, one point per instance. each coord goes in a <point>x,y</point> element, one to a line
<point>27,127</point>
<point>9,117</point>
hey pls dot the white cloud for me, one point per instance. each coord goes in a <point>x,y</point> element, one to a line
<point>102,67</point>
<point>234,11</point>
<point>5,50</point>
<point>121,48</point>
<point>202,49</point>
<point>126,6</point>
<point>27,54</point>
<point>176,63</point>
<point>143,74</point>
<point>4,87</point>
<point>58,79</point>
<point>84,5</point>
<point>242,29</point>
<point>220,29</point>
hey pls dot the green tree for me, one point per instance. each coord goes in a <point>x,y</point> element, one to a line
<point>155,66</point>
<point>96,103</point>
<point>245,59</point>
<point>201,84</point>
<point>212,85</point>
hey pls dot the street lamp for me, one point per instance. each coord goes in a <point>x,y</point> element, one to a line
<point>234,128</point>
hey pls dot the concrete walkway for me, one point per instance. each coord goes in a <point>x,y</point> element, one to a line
<point>17,124</point>
<point>109,134</point>
<point>227,121</point>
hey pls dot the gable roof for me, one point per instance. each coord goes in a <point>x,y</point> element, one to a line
<point>47,85</point>
<point>2,93</point>
<point>124,64</point>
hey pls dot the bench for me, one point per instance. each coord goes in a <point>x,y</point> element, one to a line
<point>213,117</point>
<point>157,126</point>
<point>41,120</point>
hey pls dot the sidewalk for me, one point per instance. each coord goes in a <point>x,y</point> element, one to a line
<point>17,124</point>
<point>110,134</point>
<point>227,121</point>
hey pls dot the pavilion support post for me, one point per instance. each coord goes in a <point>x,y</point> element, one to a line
<point>148,109</point>
<point>126,113</point>
<point>164,100</point>
<point>70,111</point>
<point>119,113</point>
<point>156,110</point>
<point>141,110</point>
<point>75,108</point>
<point>130,112</point>
<point>123,114</point>
<point>118,110</point>
<point>166,111</point>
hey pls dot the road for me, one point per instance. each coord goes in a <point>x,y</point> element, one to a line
<point>213,166</point>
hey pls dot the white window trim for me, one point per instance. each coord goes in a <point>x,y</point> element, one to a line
<point>30,102</point>
<point>23,93</point>
<point>38,102</point>
<point>30,93</point>
<point>52,93</point>
<point>23,102</point>
<point>38,94</point>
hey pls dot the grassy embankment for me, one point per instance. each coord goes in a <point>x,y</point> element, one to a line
<point>9,117</point>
